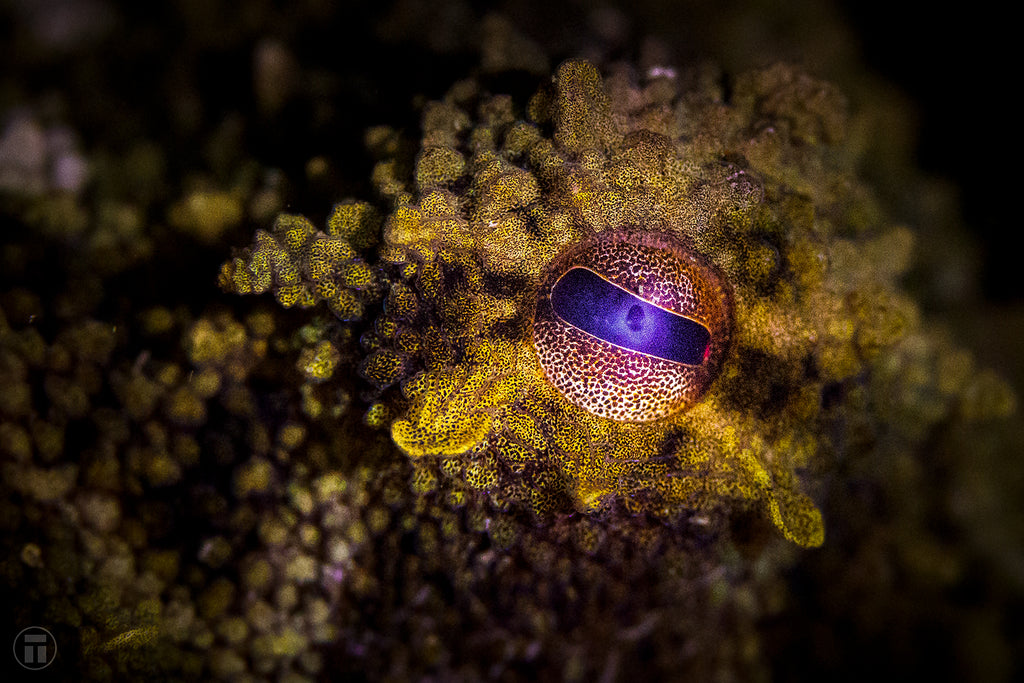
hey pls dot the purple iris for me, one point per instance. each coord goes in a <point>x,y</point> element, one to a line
<point>585,300</point>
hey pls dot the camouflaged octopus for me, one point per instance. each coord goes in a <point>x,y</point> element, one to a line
<point>639,291</point>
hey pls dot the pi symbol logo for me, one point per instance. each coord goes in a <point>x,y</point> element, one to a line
<point>35,648</point>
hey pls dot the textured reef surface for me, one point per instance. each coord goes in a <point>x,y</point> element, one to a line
<point>550,367</point>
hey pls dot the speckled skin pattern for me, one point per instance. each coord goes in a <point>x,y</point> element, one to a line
<point>759,179</point>
<point>617,383</point>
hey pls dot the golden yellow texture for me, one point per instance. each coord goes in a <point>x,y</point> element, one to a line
<point>759,181</point>
<point>490,210</point>
<point>304,266</point>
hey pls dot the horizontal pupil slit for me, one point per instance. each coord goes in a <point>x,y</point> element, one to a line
<point>590,303</point>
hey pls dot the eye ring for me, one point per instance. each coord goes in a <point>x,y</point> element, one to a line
<point>631,325</point>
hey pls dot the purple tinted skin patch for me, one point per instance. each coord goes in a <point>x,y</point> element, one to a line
<point>588,302</point>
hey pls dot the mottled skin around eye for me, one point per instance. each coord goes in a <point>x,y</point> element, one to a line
<point>787,261</point>
<point>472,242</point>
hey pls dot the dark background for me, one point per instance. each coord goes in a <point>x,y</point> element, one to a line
<point>956,62</point>
<point>959,62</point>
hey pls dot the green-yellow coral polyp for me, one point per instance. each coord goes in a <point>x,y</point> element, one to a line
<point>761,186</point>
<point>454,410</point>
<point>304,266</point>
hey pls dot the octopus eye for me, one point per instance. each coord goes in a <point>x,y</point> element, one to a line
<point>631,326</point>
<point>588,302</point>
